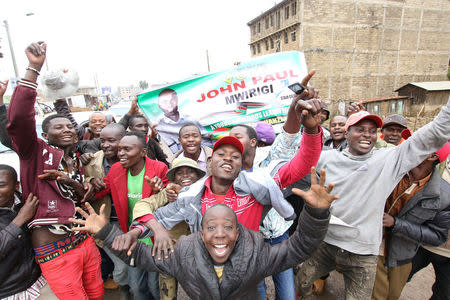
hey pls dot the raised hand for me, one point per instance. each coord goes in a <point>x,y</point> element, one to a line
<point>155,183</point>
<point>134,109</point>
<point>3,86</point>
<point>318,195</point>
<point>36,53</point>
<point>355,107</point>
<point>126,242</point>
<point>93,222</point>
<point>307,112</point>
<point>154,132</point>
<point>26,213</point>
<point>310,92</point>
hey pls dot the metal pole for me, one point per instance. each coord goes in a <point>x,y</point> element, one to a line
<point>207,60</point>
<point>11,48</point>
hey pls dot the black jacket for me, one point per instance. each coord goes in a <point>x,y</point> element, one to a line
<point>251,260</point>
<point>18,270</point>
<point>419,222</point>
<point>4,137</point>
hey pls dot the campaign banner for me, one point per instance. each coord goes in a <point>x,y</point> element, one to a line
<point>250,92</point>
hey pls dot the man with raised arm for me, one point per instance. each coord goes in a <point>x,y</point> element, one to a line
<point>50,170</point>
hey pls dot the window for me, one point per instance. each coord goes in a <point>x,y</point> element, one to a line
<point>294,8</point>
<point>271,20</point>
<point>286,12</point>
<point>286,38</point>
<point>393,107</point>
<point>259,27</point>
<point>400,107</point>
<point>259,48</point>
<point>278,19</point>
<point>278,46</point>
<point>293,36</point>
<point>267,22</point>
<point>376,109</point>
<point>267,44</point>
<point>253,49</point>
<point>271,43</point>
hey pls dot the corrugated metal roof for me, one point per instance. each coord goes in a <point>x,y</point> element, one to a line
<point>377,99</point>
<point>430,85</point>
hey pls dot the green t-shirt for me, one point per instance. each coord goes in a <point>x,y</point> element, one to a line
<point>134,186</point>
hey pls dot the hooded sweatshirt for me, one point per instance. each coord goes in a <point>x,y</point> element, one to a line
<point>364,182</point>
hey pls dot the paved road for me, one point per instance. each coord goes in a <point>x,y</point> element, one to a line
<point>418,289</point>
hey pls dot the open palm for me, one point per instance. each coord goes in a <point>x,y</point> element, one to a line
<point>318,195</point>
<point>93,222</point>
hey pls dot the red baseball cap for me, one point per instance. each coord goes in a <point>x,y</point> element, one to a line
<point>362,115</point>
<point>229,140</point>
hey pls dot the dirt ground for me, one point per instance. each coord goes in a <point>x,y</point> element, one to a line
<point>418,289</point>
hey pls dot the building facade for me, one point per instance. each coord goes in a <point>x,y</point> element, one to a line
<point>127,92</point>
<point>360,48</point>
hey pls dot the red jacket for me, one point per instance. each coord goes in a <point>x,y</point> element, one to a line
<point>116,185</point>
<point>55,206</point>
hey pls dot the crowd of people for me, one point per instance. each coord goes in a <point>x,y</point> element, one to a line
<point>112,205</point>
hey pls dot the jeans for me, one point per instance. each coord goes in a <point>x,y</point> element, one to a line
<point>107,265</point>
<point>120,273</point>
<point>358,270</point>
<point>143,285</point>
<point>284,281</point>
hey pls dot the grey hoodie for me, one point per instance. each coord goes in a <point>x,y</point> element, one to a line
<point>364,182</point>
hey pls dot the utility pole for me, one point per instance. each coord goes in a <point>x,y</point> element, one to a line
<point>11,48</point>
<point>207,60</point>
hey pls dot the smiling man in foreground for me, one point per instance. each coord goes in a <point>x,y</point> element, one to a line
<point>225,260</point>
<point>364,177</point>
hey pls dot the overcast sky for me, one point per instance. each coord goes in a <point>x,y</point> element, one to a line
<point>123,42</point>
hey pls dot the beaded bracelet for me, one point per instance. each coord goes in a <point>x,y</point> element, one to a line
<point>34,70</point>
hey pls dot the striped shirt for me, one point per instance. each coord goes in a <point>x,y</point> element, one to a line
<point>33,292</point>
<point>247,209</point>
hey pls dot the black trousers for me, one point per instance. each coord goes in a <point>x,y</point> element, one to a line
<point>441,265</point>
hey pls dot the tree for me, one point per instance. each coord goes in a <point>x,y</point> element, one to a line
<point>143,84</point>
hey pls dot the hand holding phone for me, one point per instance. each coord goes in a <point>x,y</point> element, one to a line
<point>297,88</point>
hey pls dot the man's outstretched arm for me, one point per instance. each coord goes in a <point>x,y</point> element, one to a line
<point>138,256</point>
<point>311,229</point>
<point>311,144</point>
<point>21,115</point>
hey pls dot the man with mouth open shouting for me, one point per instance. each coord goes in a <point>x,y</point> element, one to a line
<point>364,177</point>
<point>246,193</point>
<point>225,260</point>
